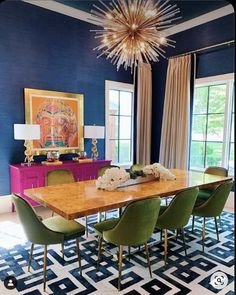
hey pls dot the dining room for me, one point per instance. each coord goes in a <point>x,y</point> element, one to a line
<point>117,158</point>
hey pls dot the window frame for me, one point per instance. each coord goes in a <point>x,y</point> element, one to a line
<point>120,86</point>
<point>227,79</point>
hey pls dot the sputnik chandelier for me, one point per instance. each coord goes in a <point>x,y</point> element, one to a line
<point>133,30</point>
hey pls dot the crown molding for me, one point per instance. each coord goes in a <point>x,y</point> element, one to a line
<point>87,17</point>
<point>63,9</point>
<point>202,19</point>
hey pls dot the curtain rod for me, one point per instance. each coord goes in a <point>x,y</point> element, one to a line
<point>204,48</point>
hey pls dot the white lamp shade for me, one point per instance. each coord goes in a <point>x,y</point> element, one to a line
<point>94,131</point>
<point>26,131</point>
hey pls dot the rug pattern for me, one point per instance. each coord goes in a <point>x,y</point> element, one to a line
<point>183,275</point>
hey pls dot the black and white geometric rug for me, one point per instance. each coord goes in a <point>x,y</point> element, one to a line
<point>183,275</point>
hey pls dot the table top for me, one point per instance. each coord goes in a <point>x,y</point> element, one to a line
<point>79,199</point>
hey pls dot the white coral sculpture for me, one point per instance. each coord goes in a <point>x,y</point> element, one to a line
<point>158,170</point>
<point>112,178</point>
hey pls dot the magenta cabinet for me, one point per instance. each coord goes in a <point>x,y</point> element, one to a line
<point>23,177</point>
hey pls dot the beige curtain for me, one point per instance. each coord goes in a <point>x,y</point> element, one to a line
<point>175,123</point>
<point>144,114</point>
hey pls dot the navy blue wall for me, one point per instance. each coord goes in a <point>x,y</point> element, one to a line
<point>46,50</point>
<point>210,63</point>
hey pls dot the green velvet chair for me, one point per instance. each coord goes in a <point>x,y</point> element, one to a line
<point>53,230</point>
<point>212,207</point>
<point>176,215</point>
<point>62,176</point>
<point>133,228</point>
<point>101,171</point>
<point>136,167</point>
<point>214,170</point>
<point>59,176</point>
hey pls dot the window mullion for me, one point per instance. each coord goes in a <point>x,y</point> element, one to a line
<point>205,139</point>
<point>227,123</point>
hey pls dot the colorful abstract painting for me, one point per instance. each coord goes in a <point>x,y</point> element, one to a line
<point>60,116</point>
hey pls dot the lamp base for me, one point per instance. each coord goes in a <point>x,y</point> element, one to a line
<point>94,149</point>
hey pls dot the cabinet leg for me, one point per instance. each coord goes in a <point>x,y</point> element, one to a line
<point>12,207</point>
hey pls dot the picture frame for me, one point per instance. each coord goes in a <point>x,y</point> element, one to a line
<point>61,119</point>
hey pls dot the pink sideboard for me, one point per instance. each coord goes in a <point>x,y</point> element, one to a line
<point>23,177</point>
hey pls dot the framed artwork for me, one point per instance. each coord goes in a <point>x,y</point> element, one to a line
<point>60,116</point>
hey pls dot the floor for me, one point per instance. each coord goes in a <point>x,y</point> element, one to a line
<point>11,234</point>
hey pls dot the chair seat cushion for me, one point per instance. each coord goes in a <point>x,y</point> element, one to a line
<point>70,228</point>
<point>108,224</point>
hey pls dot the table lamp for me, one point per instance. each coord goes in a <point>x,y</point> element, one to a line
<point>27,132</point>
<point>94,132</point>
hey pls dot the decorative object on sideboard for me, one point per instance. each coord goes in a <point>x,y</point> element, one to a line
<point>27,132</point>
<point>53,156</point>
<point>132,32</point>
<point>94,132</point>
<point>112,178</point>
<point>82,155</point>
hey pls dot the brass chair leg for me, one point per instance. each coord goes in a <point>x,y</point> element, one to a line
<point>129,252</point>
<point>52,213</point>
<point>62,250</point>
<point>176,234</point>
<point>30,256</point>
<point>166,202</point>
<point>79,258</point>
<point>100,239</point>
<point>99,217</point>
<point>193,223</point>
<point>86,226</point>
<point>165,245</point>
<point>105,215</point>
<point>217,232</point>
<point>44,267</point>
<point>183,236</point>
<point>120,212</point>
<point>148,259</point>
<point>120,266</point>
<point>203,233</point>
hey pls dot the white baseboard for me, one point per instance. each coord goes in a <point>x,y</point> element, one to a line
<point>5,203</point>
<point>229,206</point>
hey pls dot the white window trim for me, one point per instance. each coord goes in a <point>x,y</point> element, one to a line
<point>109,85</point>
<point>214,80</point>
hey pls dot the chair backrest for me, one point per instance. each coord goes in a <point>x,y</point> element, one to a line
<point>103,169</point>
<point>60,176</point>
<point>35,230</point>
<point>136,167</point>
<point>136,224</point>
<point>215,170</point>
<point>179,210</point>
<point>216,202</point>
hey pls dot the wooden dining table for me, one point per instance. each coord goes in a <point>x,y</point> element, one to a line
<point>82,198</point>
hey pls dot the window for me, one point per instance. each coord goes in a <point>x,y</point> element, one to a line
<point>119,122</point>
<point>212,142</point>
